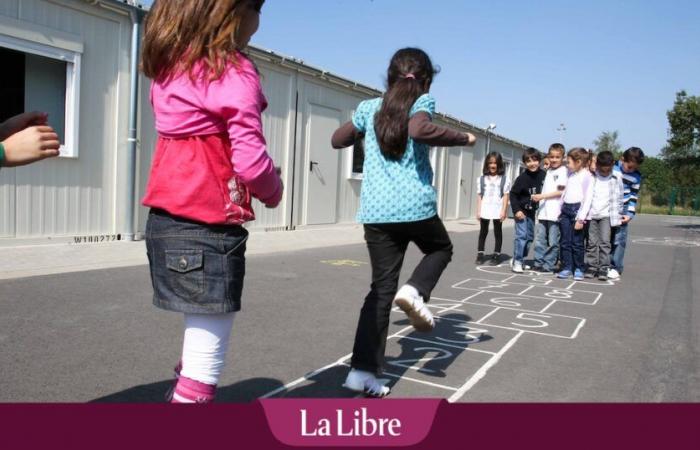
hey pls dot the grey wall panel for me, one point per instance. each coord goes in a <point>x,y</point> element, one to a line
<point>7,203</point>
<point>279,86</point>
<point>9,8</point>
<point>77,196</point>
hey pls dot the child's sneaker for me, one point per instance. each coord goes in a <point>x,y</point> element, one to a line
<point>578,275</point>
<point>367,383</point>
<point>495,259</point>
<point>479,258</point>
<point>613,274</point>
<point>603,275</point>
<point>590,274</point>
<point>517,267</point>
<point>564,274</point>
<point>410,302</point>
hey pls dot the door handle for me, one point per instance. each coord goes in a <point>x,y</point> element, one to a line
<point>461,182</point>
<point>311,165</point>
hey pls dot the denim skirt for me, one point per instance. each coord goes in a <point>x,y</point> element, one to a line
<point>195,268</point>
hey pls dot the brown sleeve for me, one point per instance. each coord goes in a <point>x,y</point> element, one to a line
<point>424,131</point>
<point>344,136</point>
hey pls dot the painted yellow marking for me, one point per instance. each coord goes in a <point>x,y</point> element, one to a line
<point>343,262</point>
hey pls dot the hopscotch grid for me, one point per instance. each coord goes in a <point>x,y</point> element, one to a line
<point>595,302</point>
<point>532,285</point>
<point>438,342</point>
<point>547,277</point>
<point>495,357</point>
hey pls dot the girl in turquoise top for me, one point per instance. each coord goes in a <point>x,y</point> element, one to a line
<point>397,206</point>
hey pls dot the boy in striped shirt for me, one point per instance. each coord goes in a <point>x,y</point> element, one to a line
<point>628,169</point>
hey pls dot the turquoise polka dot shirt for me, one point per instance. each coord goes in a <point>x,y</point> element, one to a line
<point>395,190</point>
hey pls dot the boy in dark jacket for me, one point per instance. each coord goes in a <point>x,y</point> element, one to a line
<point>527,184</point>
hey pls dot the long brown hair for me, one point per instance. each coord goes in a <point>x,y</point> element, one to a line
<point>180,33</point>
<point>579,154</point>
<point>409,76</point>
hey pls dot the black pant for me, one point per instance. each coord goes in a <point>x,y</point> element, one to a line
<point>387,245</point>
<point>497,232</point>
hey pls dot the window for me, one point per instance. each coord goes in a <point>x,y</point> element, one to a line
<point>41,72</point>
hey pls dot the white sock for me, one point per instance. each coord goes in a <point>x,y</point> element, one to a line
<point>205,345</point>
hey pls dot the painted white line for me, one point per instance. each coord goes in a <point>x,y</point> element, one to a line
<point>479,321</point>
<point>456,285</point>
<point>525,290</point>
<point>578,328</point>
<point>481,373</point>
<point>548,306</point>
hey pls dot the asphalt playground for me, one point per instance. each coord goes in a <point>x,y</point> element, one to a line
<point>94,336</point>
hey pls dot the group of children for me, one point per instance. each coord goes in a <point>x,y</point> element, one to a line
<point>208,102</point>
<point>577,214</point>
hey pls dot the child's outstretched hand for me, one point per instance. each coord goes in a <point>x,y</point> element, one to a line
<point>537,197</point>
<point>626,219</point>
<point>520,215</point>
<point>504,216</point>
<point>578,226</point>
<point>30,145</point>
<point>471,139</point>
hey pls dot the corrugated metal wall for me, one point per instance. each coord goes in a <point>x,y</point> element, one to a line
<point>75,196</point>
<point>86,196</point>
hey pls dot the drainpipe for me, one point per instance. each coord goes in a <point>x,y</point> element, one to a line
<point>133,126</point>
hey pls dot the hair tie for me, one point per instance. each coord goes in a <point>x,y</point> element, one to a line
<point>410,75</point>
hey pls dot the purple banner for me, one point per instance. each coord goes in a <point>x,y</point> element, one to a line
<point>277,424</point>
<point>350,423</point>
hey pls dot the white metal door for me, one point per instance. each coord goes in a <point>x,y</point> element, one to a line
<point>452,181</point>
<point>321,165</point>
<point>466,185</point>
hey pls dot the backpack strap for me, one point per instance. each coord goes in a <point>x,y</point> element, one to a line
<point>503,184</point>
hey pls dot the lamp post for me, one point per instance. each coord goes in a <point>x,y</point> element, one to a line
<point>489,129</point>
<point>561,129</point>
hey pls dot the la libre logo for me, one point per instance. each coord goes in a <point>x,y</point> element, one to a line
<point>358,423</point>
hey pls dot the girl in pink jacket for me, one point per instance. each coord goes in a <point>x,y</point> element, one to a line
<point>210,159</point>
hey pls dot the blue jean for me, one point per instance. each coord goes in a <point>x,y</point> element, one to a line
<point>524,234</point>
<point>547,244</point>
<point>619,242</point>
<point>571,239</point>
<point>195,268</point>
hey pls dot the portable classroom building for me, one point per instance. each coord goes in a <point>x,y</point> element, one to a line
<point>72,58</point>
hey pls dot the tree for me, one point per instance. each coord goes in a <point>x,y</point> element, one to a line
<point>656,174</point>
<point>608,141</point>
<point>682,151</point>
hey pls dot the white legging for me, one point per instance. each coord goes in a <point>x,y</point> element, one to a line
<point>205,345</point>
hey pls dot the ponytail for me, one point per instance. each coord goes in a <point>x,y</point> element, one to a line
<point>410,75</point>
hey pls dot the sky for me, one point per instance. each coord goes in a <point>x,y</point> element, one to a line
<point>527,66</point>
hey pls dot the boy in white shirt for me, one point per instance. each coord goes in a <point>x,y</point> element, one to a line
<point>547,232</point>
<point>603,211</point>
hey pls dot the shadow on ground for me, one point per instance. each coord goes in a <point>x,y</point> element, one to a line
<point>244,391</point>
